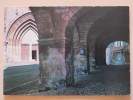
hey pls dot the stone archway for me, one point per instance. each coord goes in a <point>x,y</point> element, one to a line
<point>56,30</point>
<point>71,43</point>
<point>108,29</point>
<point>83,20</point>
<point>15,34</point>
<point>54,26</point>
<point>117,53</point>
<point>29,47</point>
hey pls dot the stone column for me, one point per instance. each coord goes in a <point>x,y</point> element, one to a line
<point>69,63</point>
<point>108,56</point>
<point>49,60</point>
<point>38,53</point>
<point>91,53</point>
<point>50,29</point>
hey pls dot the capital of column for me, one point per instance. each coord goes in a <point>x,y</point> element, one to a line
<point>57,42</point>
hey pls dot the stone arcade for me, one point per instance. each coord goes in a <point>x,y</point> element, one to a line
<point>65,32</point>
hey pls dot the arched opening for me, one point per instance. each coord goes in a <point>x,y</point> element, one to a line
<point>106,30</point>
<point>16,37</point>
<point>72,47</point>
<point>117,53</point>
<point>94,34</point>
<point>29,47</point>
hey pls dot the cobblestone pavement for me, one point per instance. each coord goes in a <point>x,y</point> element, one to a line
<point>107,81</point>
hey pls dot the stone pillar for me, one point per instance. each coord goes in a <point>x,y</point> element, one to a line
<point>51,30</point>
<point>69,63</point>
<point>69,69</point>
<point>38,54</point>
<point>83,44</point>
<point>91,51</point>
<point>50,61</point>
<point>108,56</point>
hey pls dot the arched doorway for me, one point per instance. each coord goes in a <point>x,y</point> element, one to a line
<point>29,47</point>
<point>16,34</point>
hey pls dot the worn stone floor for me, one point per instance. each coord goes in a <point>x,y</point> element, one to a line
<point>16,76</point>
<point>13,64</point>
<point>111,80</point>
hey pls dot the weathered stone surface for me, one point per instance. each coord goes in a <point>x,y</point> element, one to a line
<point>52,68</point>
<point>80,64</point>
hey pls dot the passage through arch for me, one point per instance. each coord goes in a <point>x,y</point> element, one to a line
<point>117,53</point>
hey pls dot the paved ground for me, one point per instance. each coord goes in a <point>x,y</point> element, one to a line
<point>107,81</point>
<point>12,64</point>
<point>18,75</point>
